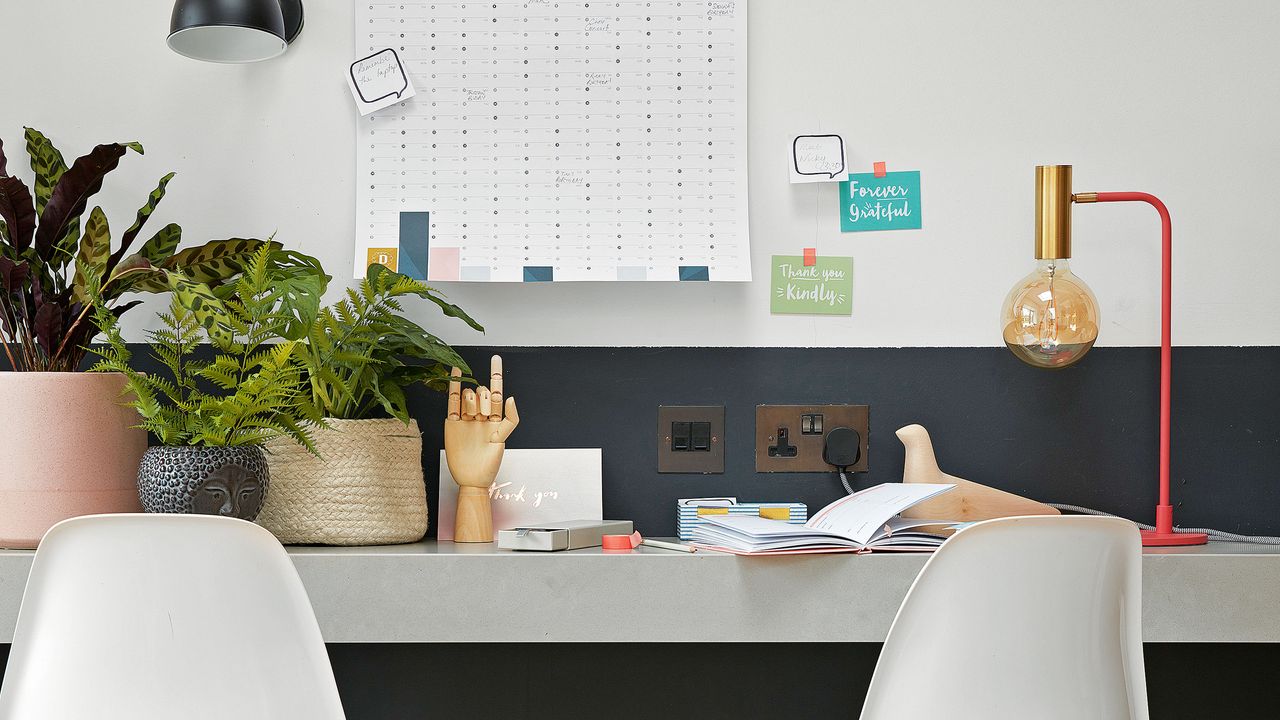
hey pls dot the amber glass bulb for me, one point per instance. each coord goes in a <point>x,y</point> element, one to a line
<point>1050,317</point>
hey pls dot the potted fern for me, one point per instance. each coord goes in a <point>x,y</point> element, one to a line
<point>88,453</point>
<point>364,484</point>
<point>212,416</point>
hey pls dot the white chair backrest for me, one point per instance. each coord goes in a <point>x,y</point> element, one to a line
<point>1026,617</point>
<point>135,617</point>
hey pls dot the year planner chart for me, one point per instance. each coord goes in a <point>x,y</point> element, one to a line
<point>557,141</point>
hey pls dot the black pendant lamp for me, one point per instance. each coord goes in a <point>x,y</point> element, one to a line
<point>234,31</point>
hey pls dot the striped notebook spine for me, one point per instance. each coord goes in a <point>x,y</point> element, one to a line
<point>690,517</point>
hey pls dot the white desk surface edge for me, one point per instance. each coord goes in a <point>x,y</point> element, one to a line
<point>429,592</point>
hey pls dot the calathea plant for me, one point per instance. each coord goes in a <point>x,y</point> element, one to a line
<point>47,255</point>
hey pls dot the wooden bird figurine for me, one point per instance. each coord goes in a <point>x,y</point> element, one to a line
<point>967,501</point>
<point>475,436</point>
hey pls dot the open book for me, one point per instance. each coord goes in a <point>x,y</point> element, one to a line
<point>865,520</point>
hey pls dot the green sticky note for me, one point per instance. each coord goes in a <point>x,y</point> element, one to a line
<point>825,288</point>
<point>891,202</point>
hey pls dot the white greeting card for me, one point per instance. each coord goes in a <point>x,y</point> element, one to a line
<point>532,486</point>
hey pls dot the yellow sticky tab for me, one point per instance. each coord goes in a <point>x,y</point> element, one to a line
<point>713,511</point>
<point>390,257</point>
<point>775,513</point>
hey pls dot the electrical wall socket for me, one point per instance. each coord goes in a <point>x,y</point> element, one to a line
<point>790,438</point>
<point>691,439</point>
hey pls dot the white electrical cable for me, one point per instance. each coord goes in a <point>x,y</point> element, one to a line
<point>1218,535</point>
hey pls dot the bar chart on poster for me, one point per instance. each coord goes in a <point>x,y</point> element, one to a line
<point>554,141</point>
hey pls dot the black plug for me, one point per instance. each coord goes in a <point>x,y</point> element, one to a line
<point>842,447</point>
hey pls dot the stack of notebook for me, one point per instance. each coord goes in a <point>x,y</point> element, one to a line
<point>692,512</point>
<point>864,521</point>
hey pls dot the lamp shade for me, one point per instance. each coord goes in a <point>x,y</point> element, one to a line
<point>229,31</point>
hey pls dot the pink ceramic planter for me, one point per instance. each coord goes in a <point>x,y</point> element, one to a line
<point>66,449</point>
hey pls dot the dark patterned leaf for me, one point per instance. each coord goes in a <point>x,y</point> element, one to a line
<point>144,212</point>
<point>162,244</point>
<point>48,326</point>
<point>70,195</point>
<point>132,263</point>
<point>18,213</point>
<point>46,163</point>
<point>125,307</point>
<point>94,248</point>
<point>135,274</point>
<point>199,300</point>
<point>217,260</point>
<point>13,275</point>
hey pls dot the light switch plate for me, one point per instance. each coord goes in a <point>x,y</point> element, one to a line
<point>706,461</point>
<point>808,444</point>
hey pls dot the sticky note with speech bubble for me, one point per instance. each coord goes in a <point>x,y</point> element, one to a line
<point>817,158</point>
<point>379,80</point>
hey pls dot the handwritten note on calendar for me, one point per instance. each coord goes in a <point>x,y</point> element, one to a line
<point>557,141</point>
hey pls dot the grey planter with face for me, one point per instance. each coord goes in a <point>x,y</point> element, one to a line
<point>229,481</point>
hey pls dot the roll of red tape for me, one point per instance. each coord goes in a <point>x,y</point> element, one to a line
<point>616,542</point>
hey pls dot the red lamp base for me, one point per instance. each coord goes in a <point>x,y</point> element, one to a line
<point>1153,538</point>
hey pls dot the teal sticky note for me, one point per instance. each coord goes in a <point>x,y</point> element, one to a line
<point>891,202</point>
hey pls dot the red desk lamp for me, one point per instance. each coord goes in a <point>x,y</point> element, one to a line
<point>1050,317</point>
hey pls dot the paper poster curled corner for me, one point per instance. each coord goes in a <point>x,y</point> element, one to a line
<point>403,78</point>
<point>811,168</point>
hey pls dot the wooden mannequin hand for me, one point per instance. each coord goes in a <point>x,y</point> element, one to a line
<point>476,431</point>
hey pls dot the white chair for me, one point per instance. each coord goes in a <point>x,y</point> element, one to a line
<point>1026,617</point>
<point>142,617</point>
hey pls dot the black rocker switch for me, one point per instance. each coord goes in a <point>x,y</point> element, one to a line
<point>784,448</point>
<point>700,436</point>
<point>680,432</point>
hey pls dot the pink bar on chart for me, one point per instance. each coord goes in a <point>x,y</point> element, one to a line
<point>443,264</point>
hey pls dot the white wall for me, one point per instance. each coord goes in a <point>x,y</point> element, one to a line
<point>1175,98</point>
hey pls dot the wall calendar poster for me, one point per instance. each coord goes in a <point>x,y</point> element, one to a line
<point>552,140</point>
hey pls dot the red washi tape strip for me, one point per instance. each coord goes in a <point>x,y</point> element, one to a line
<point>616,542</point>
<point>879,169</point>
<point>810,256</point>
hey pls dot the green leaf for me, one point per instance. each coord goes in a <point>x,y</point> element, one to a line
<point>392,398</point>
<point>46,163</point>
<point>453,311</point>
<point>72,193</point>
<point>126,240</point>
<point>161,245</point>
<point>298,283</point>
<point>94,249</point>
<point>218,260</point>
<point>400,284</point>
<point>196,298</point>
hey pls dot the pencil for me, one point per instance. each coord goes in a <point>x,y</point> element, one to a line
<point>668,545</point>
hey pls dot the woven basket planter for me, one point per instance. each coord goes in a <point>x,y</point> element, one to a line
<point>367,489</point>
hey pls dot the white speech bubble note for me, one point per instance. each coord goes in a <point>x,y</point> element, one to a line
<point>379,80</point>
<point>817,158</point>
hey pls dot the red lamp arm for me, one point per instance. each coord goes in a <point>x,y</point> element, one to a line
<point>1164,511</point>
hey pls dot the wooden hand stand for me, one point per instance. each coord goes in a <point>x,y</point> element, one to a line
<point>475,436</point>
<point>968,501</point>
